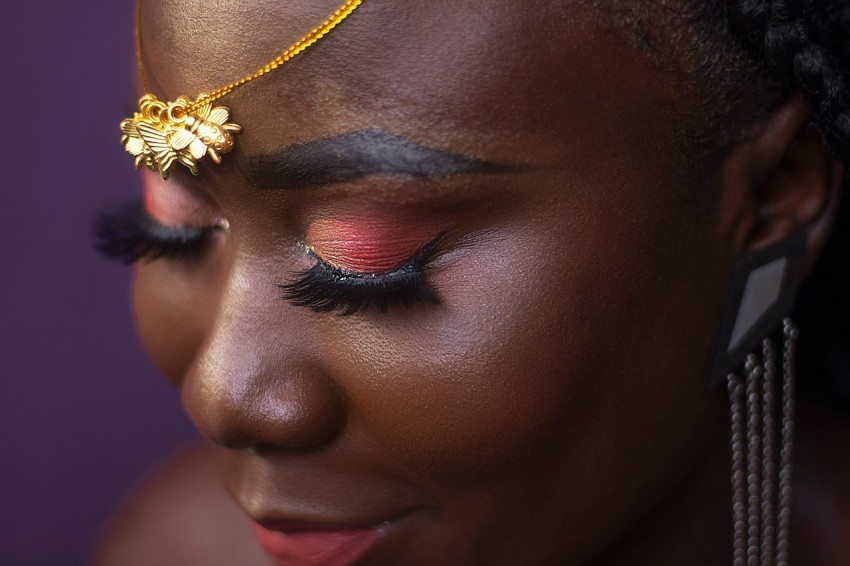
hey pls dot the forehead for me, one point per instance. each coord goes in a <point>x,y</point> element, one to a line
<point>460,73</point>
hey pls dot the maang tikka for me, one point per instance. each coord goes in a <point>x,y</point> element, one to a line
<point>186,130</point>
<point>760,295</point>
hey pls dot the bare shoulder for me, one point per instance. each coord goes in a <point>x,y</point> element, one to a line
<point>180,515</point>
<point>822,486</point>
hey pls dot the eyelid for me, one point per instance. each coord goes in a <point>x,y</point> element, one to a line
<point>374,242</point>
<point>171,203</point>
<point>419,255</point>
<point>325,288</point>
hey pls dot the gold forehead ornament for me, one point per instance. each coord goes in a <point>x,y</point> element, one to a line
<point>162,133</point>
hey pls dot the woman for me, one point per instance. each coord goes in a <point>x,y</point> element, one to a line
<point>454,296</point>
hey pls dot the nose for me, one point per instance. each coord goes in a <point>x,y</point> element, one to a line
<point>255,381</point>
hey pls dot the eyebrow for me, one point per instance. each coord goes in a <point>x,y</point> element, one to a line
<point>355,155</point>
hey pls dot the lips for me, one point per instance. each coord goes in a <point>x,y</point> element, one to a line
<point>295,546</point>
<point>325,508</point>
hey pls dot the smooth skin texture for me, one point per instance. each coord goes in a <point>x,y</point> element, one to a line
<point>552,409</point>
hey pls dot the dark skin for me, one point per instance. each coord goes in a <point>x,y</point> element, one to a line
<point>552,407</point>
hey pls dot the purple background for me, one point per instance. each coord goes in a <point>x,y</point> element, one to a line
<point>82,412</point>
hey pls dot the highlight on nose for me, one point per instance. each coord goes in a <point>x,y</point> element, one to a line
<point>254,404</point>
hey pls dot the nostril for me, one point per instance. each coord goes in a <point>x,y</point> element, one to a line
<point>296,410</point>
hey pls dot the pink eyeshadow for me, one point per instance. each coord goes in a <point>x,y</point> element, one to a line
<point>171,204</point>
<point>368,245</point>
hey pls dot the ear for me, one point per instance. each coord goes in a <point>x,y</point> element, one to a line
<point>780,181</point>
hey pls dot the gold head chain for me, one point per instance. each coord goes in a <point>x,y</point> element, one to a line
<point>162,133</point>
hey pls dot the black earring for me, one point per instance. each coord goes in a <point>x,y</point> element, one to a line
<point>760,294</point>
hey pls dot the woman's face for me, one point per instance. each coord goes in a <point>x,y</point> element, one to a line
<point>555,389</point>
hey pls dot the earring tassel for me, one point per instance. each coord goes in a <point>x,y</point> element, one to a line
<point>761,514</point>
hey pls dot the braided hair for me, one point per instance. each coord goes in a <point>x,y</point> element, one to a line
<point>806,45</point>
<point>750,56</point>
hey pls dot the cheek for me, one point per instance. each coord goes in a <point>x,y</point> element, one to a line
<point>168,310</point>
<point>540,352</point>
<point>476,384</point>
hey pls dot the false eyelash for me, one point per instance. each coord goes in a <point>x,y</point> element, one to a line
<point>325,288</point>
<point>129,234</point>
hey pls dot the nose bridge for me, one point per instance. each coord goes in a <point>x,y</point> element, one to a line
<point>253,382</point>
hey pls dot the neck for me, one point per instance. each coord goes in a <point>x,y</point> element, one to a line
<point>691,525</point>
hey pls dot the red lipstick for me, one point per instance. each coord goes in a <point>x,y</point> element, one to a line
<point>304,547</point>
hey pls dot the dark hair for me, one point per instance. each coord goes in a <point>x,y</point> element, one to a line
<point>738,61</point>
<point>804,44</point>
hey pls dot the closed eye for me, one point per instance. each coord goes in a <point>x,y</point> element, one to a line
<point>325,288</point>
<point>129,234</point>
